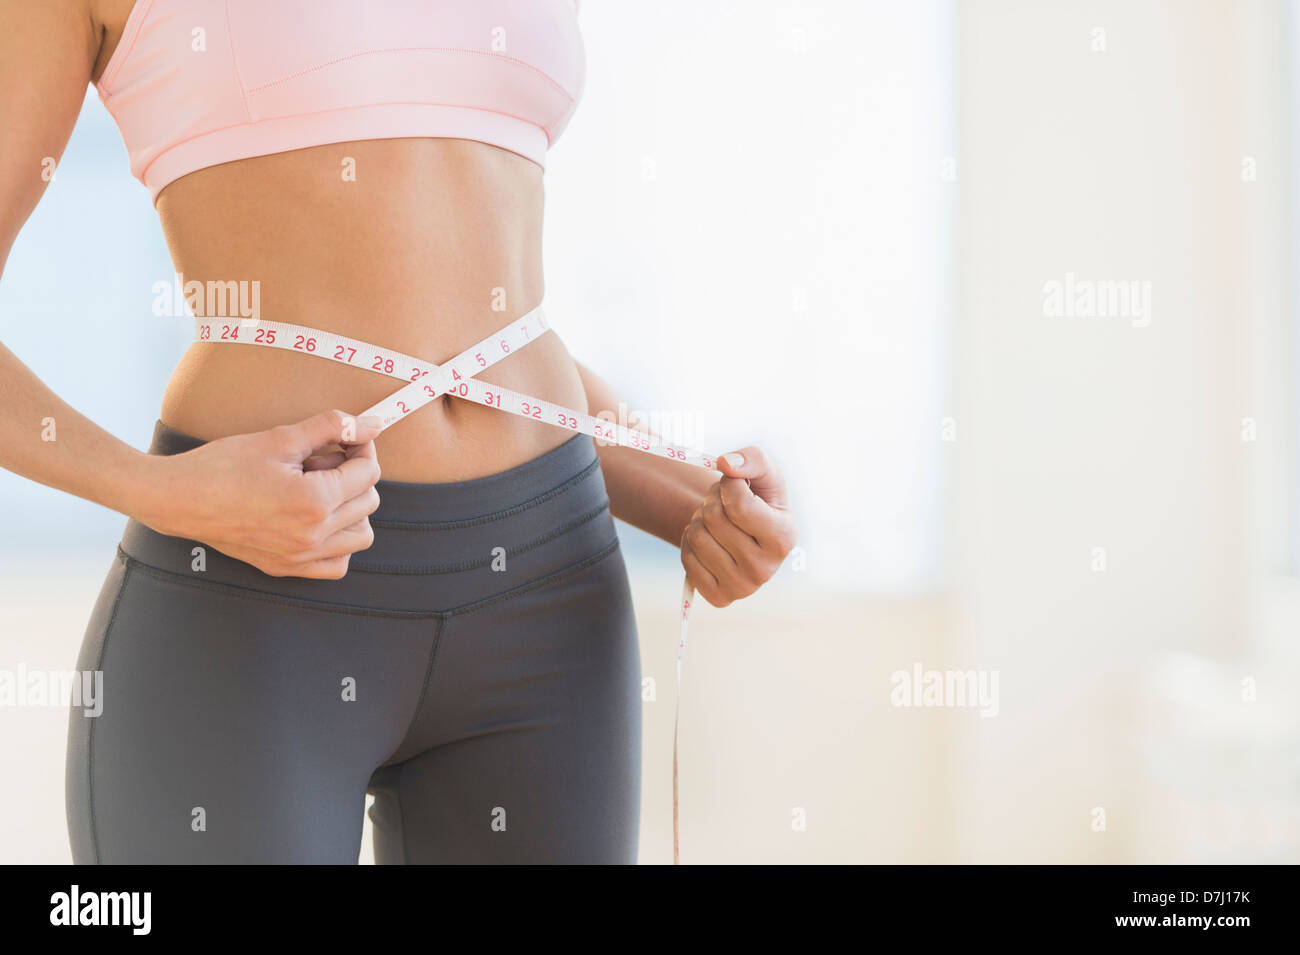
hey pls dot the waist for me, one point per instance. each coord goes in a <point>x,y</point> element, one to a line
<point>219,389</point>
<point>438,548</point>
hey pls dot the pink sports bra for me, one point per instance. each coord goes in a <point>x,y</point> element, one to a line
<point>196,83</point>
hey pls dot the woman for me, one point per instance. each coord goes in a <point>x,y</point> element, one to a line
<point>284,631</point>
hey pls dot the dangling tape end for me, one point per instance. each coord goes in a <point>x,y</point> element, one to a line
<point>688,595</point>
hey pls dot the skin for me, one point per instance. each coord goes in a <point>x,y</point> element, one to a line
<point>413,254</point>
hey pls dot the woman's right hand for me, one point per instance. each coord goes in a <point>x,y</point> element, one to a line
<point>262,498</point>
<point>270,500</point>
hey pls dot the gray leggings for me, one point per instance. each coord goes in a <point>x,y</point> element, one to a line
<point>477,670</point>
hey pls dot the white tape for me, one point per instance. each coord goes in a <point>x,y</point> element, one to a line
<point>426,381</point>
<point>455,378</point>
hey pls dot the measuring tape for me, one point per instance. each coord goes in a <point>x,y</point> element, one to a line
<point>426,381</point>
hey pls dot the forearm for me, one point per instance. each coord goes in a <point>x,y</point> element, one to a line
<point>656,494</point>
<point>46,440</point>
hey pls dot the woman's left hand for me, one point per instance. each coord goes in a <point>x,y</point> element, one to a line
<point>742,531</point>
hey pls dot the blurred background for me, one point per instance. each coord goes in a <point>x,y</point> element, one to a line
<point>1004,287</point>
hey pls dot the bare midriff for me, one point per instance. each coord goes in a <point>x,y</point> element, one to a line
<point>425,246</point>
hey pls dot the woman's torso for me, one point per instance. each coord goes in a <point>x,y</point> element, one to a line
<point>413,244</point>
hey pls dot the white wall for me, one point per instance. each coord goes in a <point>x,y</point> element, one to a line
<point>746,226</point>
<point>1119,686</point>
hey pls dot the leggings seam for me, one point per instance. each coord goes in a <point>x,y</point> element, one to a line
<point>439,626</point>
<point>433,569</point>
<point>221,587</point>
<point>90,733</point>
<point>561,575</point>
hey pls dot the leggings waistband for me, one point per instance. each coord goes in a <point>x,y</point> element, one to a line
<point>438,548</point>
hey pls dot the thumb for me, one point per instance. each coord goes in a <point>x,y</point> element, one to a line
<point>765,480</point>
<point>332,427</point>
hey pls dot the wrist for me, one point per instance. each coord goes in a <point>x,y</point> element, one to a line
<point>146,492</point>
<point>654,494</point>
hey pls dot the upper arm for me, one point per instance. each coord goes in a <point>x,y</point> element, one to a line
<point>47,51</point>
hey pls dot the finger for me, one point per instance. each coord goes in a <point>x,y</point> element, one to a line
<point>755,467</point>
<point>749,555</point>
<point>771,527</point>
<point>351,478</point>
<point>276,565</point>
<point>714,557</point>
<point>329,427</point>
<point>320,462</point>
<point>355,537</point>
<point>363,449</point>
<point>351,511</point>
<point>332,568</point>
<point>699,577</point>
<point>714,513</point>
